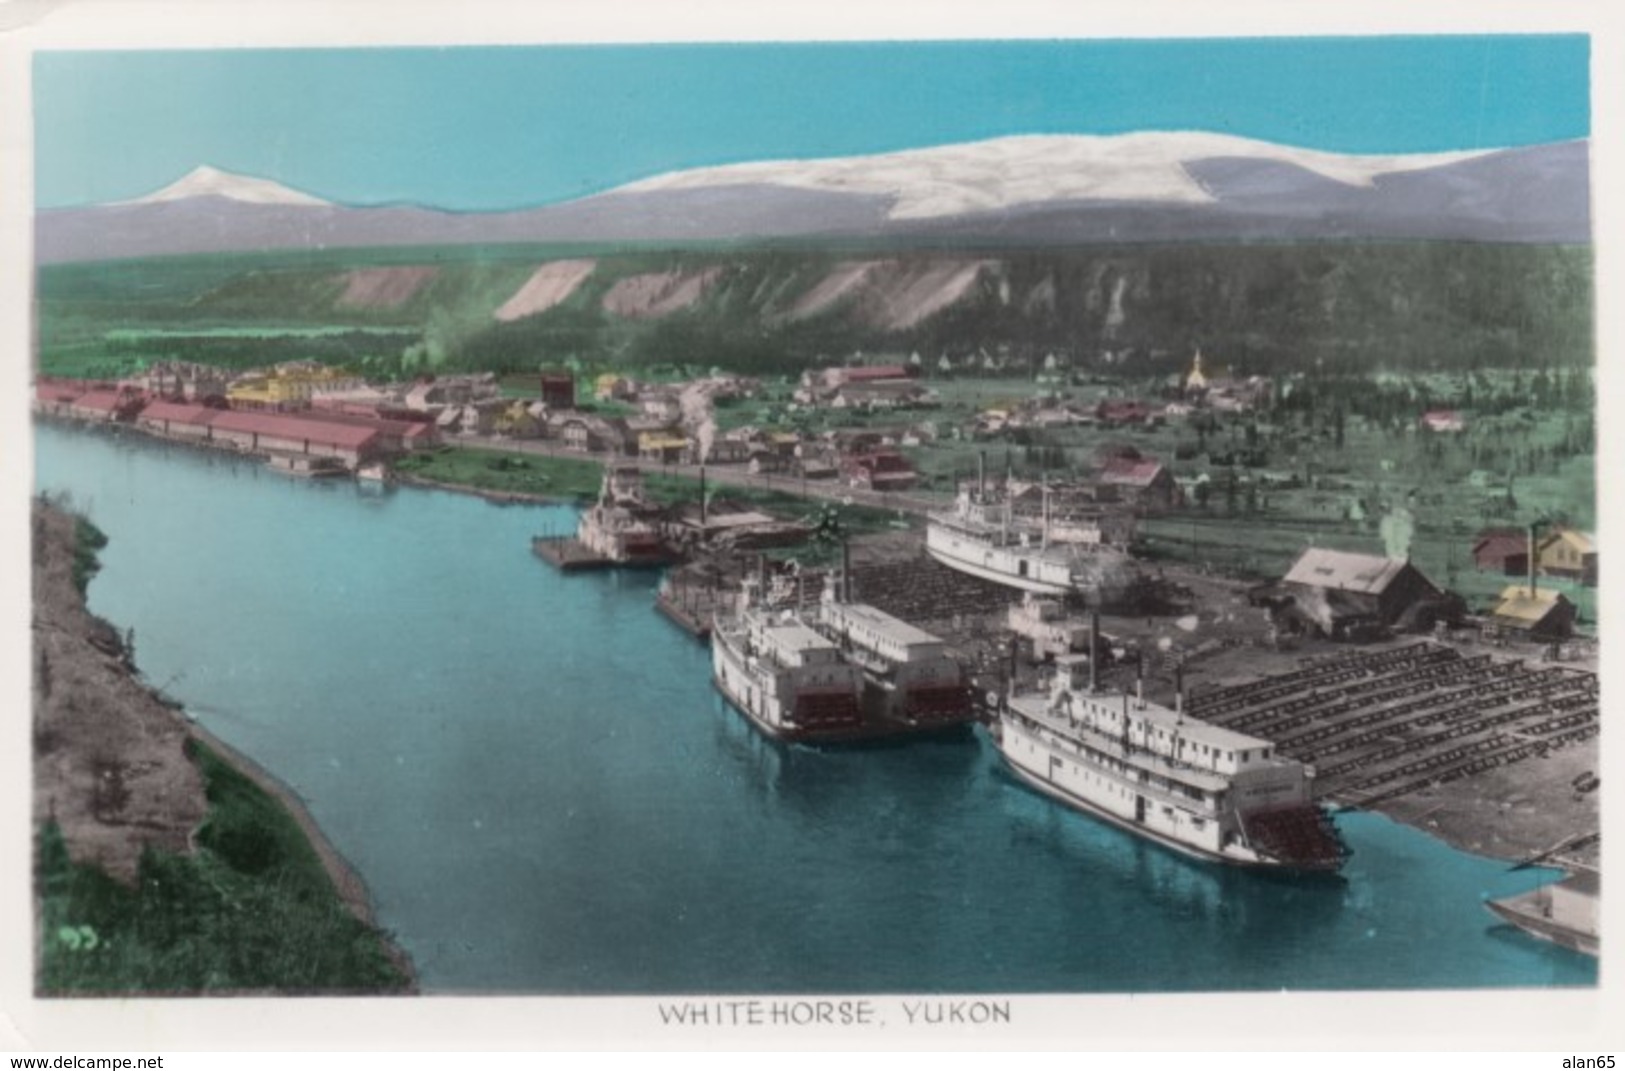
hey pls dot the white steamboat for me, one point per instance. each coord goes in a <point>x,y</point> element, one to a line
<point>790,680</point>
<point>1197,788</point>
<point>982,536</point>
<point>621,527</point>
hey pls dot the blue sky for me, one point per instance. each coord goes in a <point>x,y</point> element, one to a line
<point>486,128</point>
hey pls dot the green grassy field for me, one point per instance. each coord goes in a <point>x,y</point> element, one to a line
<point>505,472</point>
<point>251,910</point>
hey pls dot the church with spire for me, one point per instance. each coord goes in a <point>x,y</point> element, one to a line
<point>1196,380</point>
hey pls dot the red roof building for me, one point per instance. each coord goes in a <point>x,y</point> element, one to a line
<point>180,419</point>
<point>56,398</point>
<point>300,434</point>
<point>106,405</point>
<point>57,391</point>
<point>1144,480</point>
<point>1502,550</point>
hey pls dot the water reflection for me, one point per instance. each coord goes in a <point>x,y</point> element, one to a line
<point>1244,902</point>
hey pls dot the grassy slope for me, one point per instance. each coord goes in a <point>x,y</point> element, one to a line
<point>252,909</point>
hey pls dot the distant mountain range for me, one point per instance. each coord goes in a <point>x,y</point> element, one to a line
<point>1007,192</point>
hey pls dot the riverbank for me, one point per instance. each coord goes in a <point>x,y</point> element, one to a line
<point>499,498</point>
<point>167,862</point>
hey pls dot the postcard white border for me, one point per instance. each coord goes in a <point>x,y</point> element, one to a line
<point>1496,1019</point>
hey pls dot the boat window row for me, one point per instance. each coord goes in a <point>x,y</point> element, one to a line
<point>1105,761</point>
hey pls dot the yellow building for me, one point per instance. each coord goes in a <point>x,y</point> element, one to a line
<point>612,386</point>
<point>519,422</point>
<point>659,446</point>
<point>1569,554</point>
<point>288,386</point>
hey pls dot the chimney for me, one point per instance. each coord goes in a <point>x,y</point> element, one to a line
<point>1094,651</point>
<point>1531,561</point>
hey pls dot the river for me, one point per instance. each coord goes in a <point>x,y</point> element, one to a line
<point>544,794</point>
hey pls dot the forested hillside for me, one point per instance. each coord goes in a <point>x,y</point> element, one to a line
<point>1255,308</point>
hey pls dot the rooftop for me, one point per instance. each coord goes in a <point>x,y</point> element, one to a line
<point>326,432</point>
<point>1583,542</point>
<point>1137,471</point>
<point>181,412</point>
<point>1518,603</point>
<point>1342,570</point>
<point>883,624</point>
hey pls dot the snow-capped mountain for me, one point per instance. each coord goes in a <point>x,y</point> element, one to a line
<point>1026,190</point>
<point>1010,172</point>
<point>209,181</point>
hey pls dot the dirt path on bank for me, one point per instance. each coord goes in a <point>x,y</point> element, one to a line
<point>109,757</point>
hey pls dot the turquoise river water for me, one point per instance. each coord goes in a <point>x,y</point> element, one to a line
<point>545,795</point>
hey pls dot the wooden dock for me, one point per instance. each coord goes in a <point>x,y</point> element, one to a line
<point>568,554</point>
<point>686,618</point>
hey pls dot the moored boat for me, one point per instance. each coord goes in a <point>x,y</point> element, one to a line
<point>1200,789</point>
<point>982,535</point>
<point>911,682</point>
<point>1567,912</point>
<point>787,678</point>
<point>621,527</point>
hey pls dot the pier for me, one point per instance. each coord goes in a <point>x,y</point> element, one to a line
<point>568,554</point>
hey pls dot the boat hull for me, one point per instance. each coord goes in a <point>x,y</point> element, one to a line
<point>799,735</point>
<point>998,576</point>
<point>1190,851</point>
<point>1545,929</point>
<point>868,728</point>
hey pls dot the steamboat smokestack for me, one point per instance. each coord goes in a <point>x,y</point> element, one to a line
<point>981,475</point>
<point>1139,681</point>
<point>702,500</point>
<point>1094,650</point>
<point>1179,691</point>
